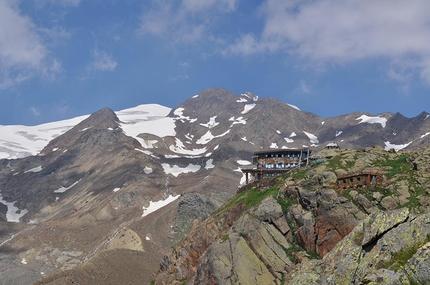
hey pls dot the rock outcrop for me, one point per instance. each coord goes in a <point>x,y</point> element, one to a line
<point>296,233</point>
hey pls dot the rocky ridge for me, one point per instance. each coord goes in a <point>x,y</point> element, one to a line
<point>303,230</point>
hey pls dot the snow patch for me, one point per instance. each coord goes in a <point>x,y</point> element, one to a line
<point>209,164</point>
<point>84,129</point>
<point>289,140</point>
<point>247,108</point>
<point>212,123</point>
<point>179,113</point>
<point>154,206</point>
<point>13,214</point>
<point>389,145</point>
<point>243,178</point>
<point>35,169</point>
<point>293,134</point>
<point>64,189</point>
<point>150,118</point>
<point>426,134</point>
<point>338,133</point>
<point>147,152</point>
<point>195,96</point>
<point>180,148</point>
<point>244,139</point>
<point>273,145</point>
<point>19,141</point>
<point>176,170</point>
<point>147,170</point>
<point>322,123</point>
<point>208,137</point>
<point>239,120</point>
<point>116,189</point>
<point>286,147</point>
<point>244,162</point>
<point>293,106</point>
<point>148,143</point>
<point>372,120</point>
<point>312,138</point>
<point>279,132</point>
<point>242,100</point>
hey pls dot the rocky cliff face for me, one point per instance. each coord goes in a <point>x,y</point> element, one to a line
<point>301,230</point>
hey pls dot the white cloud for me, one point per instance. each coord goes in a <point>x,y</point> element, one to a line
<point>304,87</point>
<point>64,3</point>
<point>185,63</point>
<point>73,3</point>
<point>204,5</point>
<point>35,111</point>
<point>185,22</point>
<point>23,53</point>
<point>341,31</point>
<point>178,78</point>
<point>102,61</point>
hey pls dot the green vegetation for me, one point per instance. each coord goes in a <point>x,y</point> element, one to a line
<point>248,198</point>
<point>369,194</point>
<point>341,162</point>
<point>414,282</point>
<point>357,237</point>
<point>299,174</point>
<point>289,252</point>
<point>285,204</point>
<point>224,238</point>
<point>397,166</point>
<point>400,259</point>
<point>313,255</point>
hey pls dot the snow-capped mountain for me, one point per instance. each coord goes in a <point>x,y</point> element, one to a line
<point>268,122</point>
<point>127,180</point>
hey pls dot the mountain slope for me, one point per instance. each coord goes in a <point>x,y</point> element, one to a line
<point>140,178</point>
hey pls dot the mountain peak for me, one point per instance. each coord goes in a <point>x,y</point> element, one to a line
<point>105,118</point>
<point>101,121</point>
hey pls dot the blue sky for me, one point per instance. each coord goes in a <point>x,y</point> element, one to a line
<point>64,58</point>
